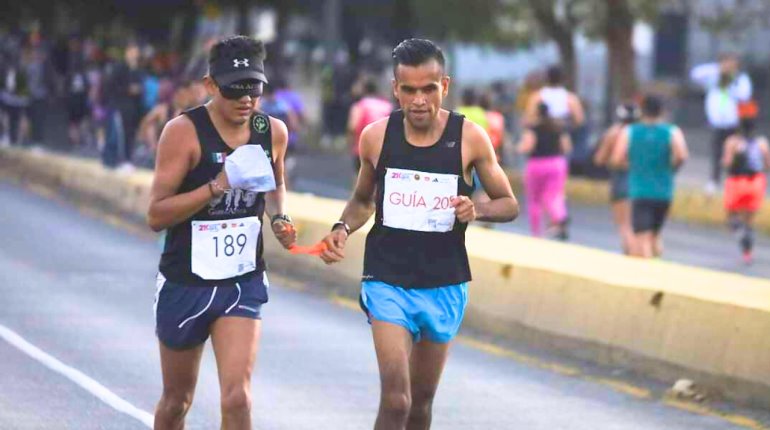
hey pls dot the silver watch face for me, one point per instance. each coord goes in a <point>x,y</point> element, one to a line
<point>282,217</point>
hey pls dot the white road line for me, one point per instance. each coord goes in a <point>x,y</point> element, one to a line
<point>98,390</point>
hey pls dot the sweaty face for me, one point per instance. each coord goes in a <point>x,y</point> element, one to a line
<point>420,91</point>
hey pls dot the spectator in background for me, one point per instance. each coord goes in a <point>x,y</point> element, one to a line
<point>652,150</point>
<point>726,87</point>
<point>495,125</point>
<point>563,105</point>
<point>626,114</point>
<point>532,84</point>
<point>469,106</point>
<point>151,85</point>
<point>293,98</point>
<point>371,107</point>
<point>505,102</point>
<point>277,108</point>
<point>41,84</point>
<point>124,96</point>
<point>76,89</point>
<point>95,73</point>
<point>15,96</point>
<point>547,145</point>
<point>152,123</point>
<point>336,84</point>
<point>746,158</point>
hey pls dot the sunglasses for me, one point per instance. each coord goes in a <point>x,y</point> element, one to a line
<point>236,90</point>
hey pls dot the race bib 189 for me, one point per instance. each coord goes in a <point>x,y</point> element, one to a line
<point>419,201</point>
<point>226,248</point>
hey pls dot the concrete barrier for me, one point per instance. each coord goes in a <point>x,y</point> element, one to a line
<point>664,319</point>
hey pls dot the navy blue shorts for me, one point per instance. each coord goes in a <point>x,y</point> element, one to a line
<point>184,314</point>
<point>648,215</point>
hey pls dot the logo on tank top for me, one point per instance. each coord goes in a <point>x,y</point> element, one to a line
<point>235,201</point>
<point>260,123</point>
<point>450,144</point>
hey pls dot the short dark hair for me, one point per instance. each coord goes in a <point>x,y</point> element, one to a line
<point>546,120</point>
<point>485,101</point>
<point>469,97</point>
<point>627,113</point>
<point>747,127</point>
<point>554,75</point>
<point>652,106</point>
<point>415,52</point>
<point>237,46</point>
<point>542,111</point>
<point>370,86</point>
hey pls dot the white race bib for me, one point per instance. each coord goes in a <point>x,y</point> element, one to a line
<point>226,248</point>
<point>419,201</point>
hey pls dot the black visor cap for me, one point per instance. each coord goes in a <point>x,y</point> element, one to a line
<point>227,71</point>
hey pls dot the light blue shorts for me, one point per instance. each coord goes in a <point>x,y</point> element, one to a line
<point>433,313</point>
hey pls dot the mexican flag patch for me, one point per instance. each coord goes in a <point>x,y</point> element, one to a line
<point>218,157</point>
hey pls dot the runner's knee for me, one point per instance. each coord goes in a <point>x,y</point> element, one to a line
<point>175,403</point>
<point>396,403</point>
<point>235,400</point>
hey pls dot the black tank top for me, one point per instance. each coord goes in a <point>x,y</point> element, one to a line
<point>547,142</point>
<point>418,259</point>
<point>748,160</point>
<point>175,262</point>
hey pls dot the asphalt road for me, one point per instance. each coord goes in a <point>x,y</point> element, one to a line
<point>80,290</point>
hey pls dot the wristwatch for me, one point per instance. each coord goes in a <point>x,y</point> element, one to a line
<point>281,217</point>
<point>343,224</point>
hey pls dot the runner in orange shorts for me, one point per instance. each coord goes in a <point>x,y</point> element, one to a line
<point>746,158</point>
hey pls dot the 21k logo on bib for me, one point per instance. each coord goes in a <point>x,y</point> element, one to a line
<point>419,201</point>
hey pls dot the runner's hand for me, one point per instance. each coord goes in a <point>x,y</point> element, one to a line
<point>285,233</point>
<point>222,180</point>
<point>335,246</point>
<point>465,211</point>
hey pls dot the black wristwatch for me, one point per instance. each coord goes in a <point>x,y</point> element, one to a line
<point>281,217</point>
<point>343,224</point>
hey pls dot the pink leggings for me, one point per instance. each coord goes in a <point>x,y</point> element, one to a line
<point>544,180</point>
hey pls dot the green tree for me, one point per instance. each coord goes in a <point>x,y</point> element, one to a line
<point>731,20</point>
<point>524,21</point>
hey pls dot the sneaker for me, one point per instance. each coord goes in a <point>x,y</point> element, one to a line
<point>748,258</point>
<point>710,188</point>
<point>125,168</point>
<point>559,231</point>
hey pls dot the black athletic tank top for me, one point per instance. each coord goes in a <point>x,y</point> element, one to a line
<point>748,161</point>
<point>547,142</point>
<point>418,259</point>
<point>175,262</point>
